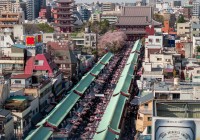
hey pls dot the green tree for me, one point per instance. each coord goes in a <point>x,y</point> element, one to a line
<point>198,48</point>
<point>44,27</point>
<point>158,17</point>
<point>180,19</point>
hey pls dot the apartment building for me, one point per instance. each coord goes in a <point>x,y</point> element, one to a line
<point>10,17</point>
<point>12,59</point>
<point>164,91</point>
<point>196,9</point>
<point>21,108</point>
<point>110,16</point>
<point>153,44</point>
<point>5,5</point>
<point>6,124</point>
<point>4,91</point>
<point>63,58</point>
<point>108,6</point>
<point>184,29</point>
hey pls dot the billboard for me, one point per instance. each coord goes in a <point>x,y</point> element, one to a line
<point>165,128</point>
<point>30,40</point>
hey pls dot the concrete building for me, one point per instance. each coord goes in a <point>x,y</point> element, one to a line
<point>184,29</point>
<point>195,29</point>
<point>85,40</point>
<point>96,16</point>
<point>196,9</point>
<point>153,44</point>
<point>196,42</point>
<point>5,5</point>
<point>110,16</point>
<point>21,108</point>
<point>6,125</point>
<point>84,12</point>
<point>108,6</point>
<point>4,91</point>
<point>187,12</point>
<point>32,9</point>
<point>63,58</point>
<point>12,59</point>
<point>170,17</point>
<point>165,91</point>
<point>8,18</point>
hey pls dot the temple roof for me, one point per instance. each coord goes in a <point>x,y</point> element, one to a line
<point>135,20</point>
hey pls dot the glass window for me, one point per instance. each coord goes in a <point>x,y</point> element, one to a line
<point>17,81</point>
<point>149,118</point>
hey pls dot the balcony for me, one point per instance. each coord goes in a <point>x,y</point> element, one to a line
<point>145,111</point>
<point>11,60</point>
<point>17,85</point>
<point>8,19</point>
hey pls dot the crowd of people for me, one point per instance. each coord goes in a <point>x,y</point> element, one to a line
<point>83,121</point>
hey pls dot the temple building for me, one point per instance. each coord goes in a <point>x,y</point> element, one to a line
<point>135,20</point>
<point>62,15</point>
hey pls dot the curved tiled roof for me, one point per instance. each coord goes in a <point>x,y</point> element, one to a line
<point>109,125</point>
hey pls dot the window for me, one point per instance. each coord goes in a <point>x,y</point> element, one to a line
<point>157,40</point>
<point>48,36</point>
<point>159,59</point>
<point>17,81</point>
<point>2,38</point>
<point>149,118</point>
<point>198,71</point>
<point>145,105</point>
<point>150,40</point>
<point>176,96</point>
<point>180,27</point>
<point>36,62</point>
<point>140,118</point>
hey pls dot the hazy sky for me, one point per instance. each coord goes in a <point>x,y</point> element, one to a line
<point>90,1</point>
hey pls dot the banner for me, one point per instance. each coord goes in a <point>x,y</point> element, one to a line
<point>175,129</point>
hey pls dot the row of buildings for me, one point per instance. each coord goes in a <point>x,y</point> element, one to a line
<point>168,89</point>
<point>36,71</point>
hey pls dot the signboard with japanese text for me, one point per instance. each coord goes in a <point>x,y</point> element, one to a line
<point>30,40</point>
<point>175,129</point>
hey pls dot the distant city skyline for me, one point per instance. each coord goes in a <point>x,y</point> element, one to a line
<point>119,1</point>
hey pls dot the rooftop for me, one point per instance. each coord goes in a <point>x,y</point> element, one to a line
<point>21,76</point>
<point>4,112</point>
<point>177,108</point>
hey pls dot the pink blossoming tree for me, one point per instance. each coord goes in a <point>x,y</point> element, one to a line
<point>111,41</point>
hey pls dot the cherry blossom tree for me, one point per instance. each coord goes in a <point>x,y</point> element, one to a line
<point>111,41</point>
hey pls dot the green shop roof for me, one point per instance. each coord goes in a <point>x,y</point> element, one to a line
<point>97,69</point>
<point>106,58</point>
<point>84,83</point>
<point>118,113</point>
<point>41,133</point>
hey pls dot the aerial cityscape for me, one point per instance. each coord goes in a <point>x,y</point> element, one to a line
<point>99,70</point>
